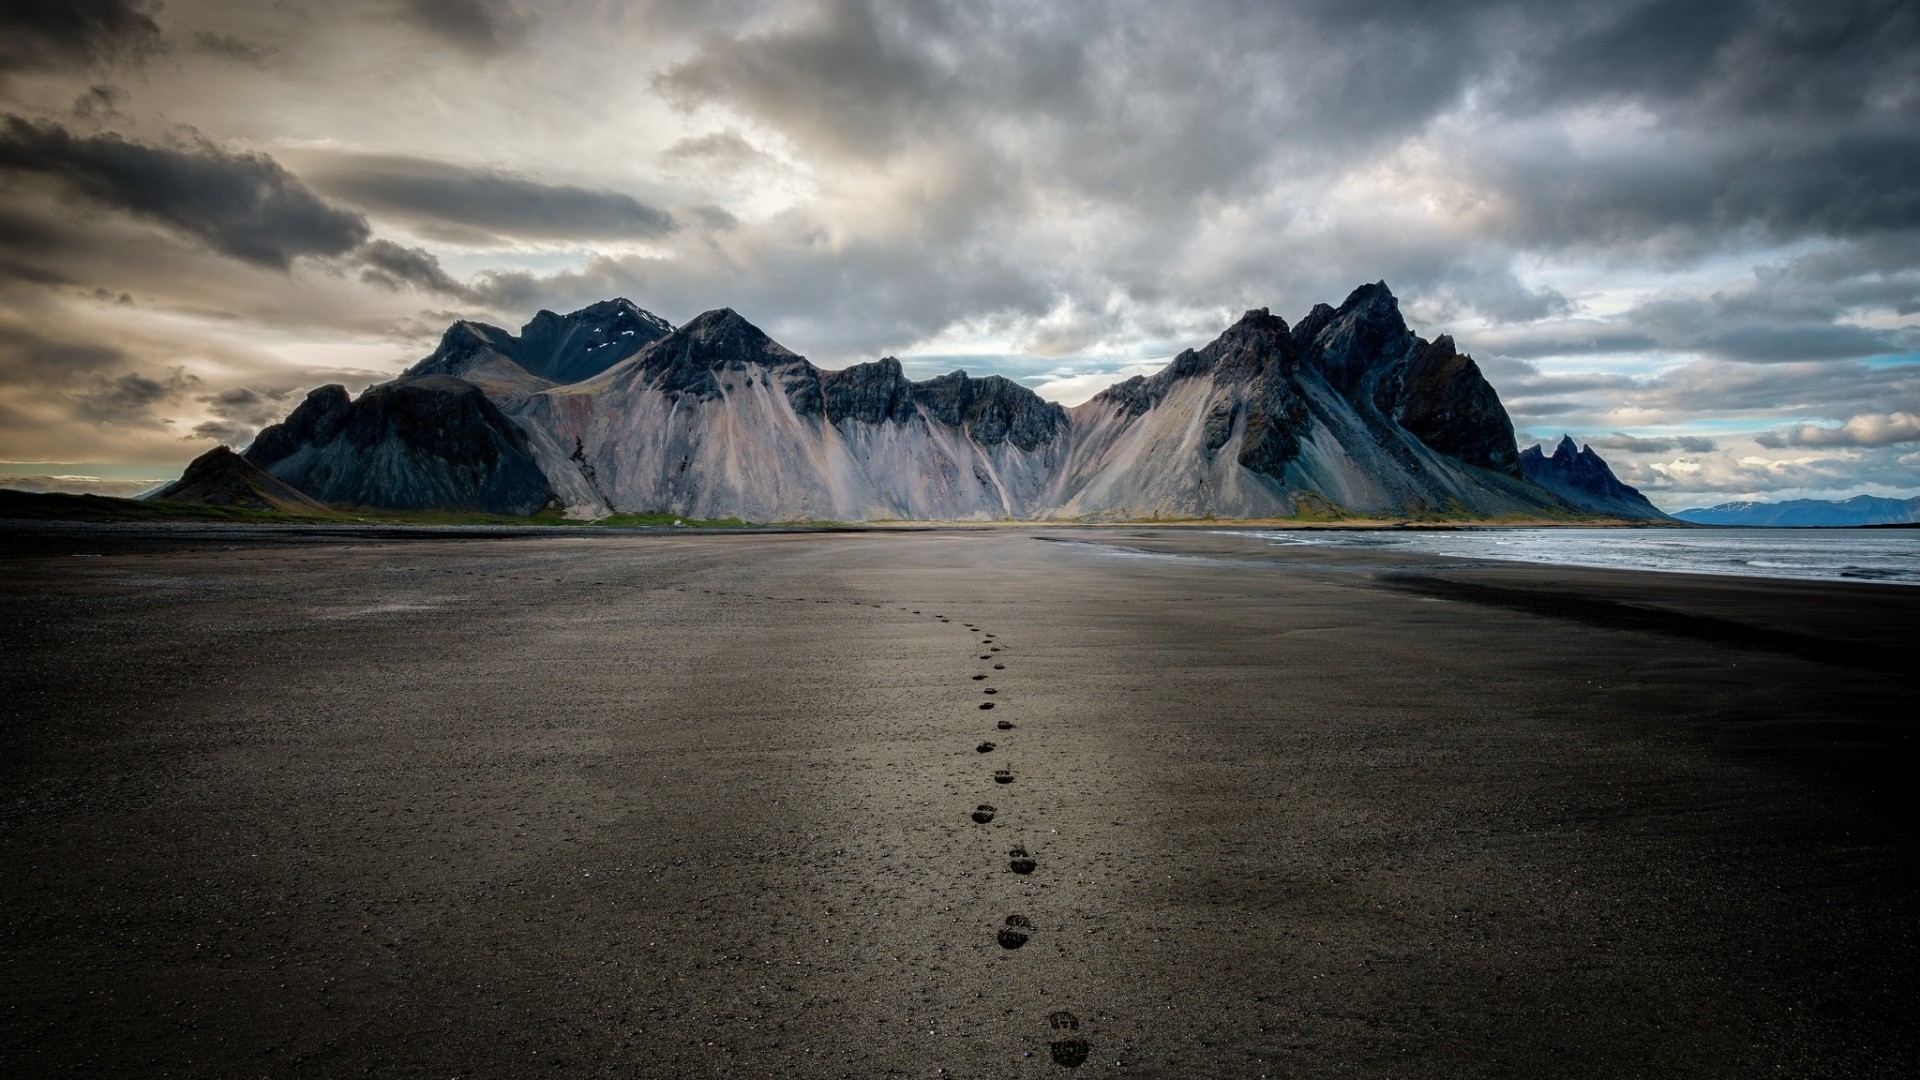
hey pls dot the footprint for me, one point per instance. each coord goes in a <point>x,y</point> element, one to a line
<point>982,813</point>
<point>986,704</point>
<point>1002,776</point>
<point>1005,725</point>
<point>1021,862</point>
<point>1016,932</point>
<point>984,656</point>
<point>1072,1051</point>
<point>985,748</point>
<point>989,690</point>
<point>977,678</point>
<point>997,667</point>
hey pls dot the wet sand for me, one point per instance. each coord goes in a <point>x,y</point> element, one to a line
<point>457,803</point>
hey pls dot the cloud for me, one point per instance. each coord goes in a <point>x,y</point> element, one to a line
<point>482,27</point>
<point>243,205</point>
<point>392,266</point>
<point>232,48</point>
<point>239,412</point>
<point>1637,444</point>
<point>1865,429</point>
<point>53,34</point>
<point>475,205</point>
<point>130,399</point>
<point>73,484</point>
<point>100,104</point>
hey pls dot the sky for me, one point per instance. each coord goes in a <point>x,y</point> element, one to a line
<point>1686,232</point>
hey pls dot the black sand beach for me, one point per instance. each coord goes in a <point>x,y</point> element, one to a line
<point>455,803</point>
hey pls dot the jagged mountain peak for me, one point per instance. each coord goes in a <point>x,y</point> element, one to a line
<point>464,345</point>
<point>1582,477</point>
<point>550,347</point>
<point>1257,343</point>
<point>1363,335</point>
<point>720,336</point>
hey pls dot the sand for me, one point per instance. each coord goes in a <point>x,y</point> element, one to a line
<point>489,804</point>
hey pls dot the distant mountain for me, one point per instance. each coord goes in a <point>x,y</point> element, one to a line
<point>221,477</point>
<point>610,409</point>
<point>1582,478</point>
<point>1805,513</point>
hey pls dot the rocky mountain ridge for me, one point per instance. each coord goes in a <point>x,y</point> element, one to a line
<point>611,409</point>
<point>1582,477</point>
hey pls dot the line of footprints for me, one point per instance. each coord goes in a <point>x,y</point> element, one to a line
<point>1068,1047</point>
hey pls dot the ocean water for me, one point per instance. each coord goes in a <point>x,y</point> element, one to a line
<point>1890,556</point>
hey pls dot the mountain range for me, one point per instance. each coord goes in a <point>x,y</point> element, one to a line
<point>1859,510</point>
<point>611,409</point>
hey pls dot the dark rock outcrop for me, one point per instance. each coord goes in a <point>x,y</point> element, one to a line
<point>1582,478</point>
<point>424,442</point>
<point>316,420</point>
<point>874,393</point>
<point>992,410</point>
<point>690,360</point>
<point>1440,396</point>
<point>221,477</point>
<point>550,347</point>
<point>582,344</point>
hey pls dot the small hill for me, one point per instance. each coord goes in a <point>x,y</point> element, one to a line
<point>221,477</point>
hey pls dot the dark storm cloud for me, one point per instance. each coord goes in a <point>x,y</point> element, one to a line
<point>469,204</point>
<point>101,103</point>
<point>479,26</point>
<point>130,399</point>
<point>1739,122</point>
<point>29,357</point>
<point>1749,57</point>
<point>243,205</point>
<point>239,413</point>
<point>232,48</point>
<point>393,266</point>
<point>1127,101</point>
<point>54,34</point>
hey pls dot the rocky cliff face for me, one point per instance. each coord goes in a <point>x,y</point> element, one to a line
<point>1348,409</point>
<point>1583,479</point>
<point>717,419</point>
<point>419,442</point>
<point>550,350</point>
<point>610,409</point>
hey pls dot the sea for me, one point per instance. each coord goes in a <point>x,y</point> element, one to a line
<point>1887,556</point>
